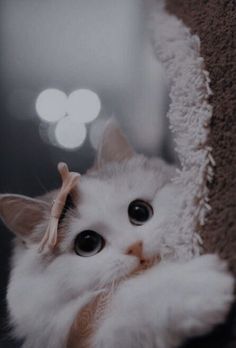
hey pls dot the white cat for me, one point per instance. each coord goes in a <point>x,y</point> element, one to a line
<point>119,224</point>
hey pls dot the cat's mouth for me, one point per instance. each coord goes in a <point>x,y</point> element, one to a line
<point>137,250</point>
<point>144,265</point>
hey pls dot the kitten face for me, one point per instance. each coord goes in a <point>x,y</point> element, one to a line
<point>104,200</point>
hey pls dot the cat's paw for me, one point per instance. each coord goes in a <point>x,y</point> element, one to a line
<point>210,294</point>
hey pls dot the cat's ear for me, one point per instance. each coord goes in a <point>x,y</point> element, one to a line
<point>22,214</point>
<point>113,145</point>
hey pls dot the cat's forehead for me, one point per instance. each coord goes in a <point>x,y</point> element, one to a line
<point>138,177</point>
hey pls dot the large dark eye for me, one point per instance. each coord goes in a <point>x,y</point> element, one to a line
<point>139,212</point>
<point>88,243</point>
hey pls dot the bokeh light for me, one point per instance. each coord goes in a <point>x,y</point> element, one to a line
<point>84,105</point>
<point>51,105</point>
<point>70,133</point>
<point>66,116</point>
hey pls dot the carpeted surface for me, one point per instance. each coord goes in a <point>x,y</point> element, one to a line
<point>214,21</point>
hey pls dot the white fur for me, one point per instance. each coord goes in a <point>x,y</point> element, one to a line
<point>160,308</point>
<point>167,304</point>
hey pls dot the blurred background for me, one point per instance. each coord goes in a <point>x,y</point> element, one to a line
<point>67,66</point>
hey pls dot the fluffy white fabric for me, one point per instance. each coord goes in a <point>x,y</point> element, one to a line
<point>189,114</point>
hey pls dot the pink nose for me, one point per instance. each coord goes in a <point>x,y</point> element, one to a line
<point>136,249</point>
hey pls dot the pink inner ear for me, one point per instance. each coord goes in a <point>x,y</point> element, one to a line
<point>114,145</point>
<point>69,181</point>
<point>22,214</point>
<point>26,225</point>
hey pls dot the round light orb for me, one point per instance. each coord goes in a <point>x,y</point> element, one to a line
<point>51,105</point>
<point>84,105</point>
<point>70,133</point>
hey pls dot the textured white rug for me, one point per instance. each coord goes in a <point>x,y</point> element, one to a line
<point>189,115</point>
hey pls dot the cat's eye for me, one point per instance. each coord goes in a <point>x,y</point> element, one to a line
<point>88,243</point>
<point>139,212</point>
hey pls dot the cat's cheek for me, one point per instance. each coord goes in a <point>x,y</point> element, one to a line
<point>152,244</point>
<point>129,265</point>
